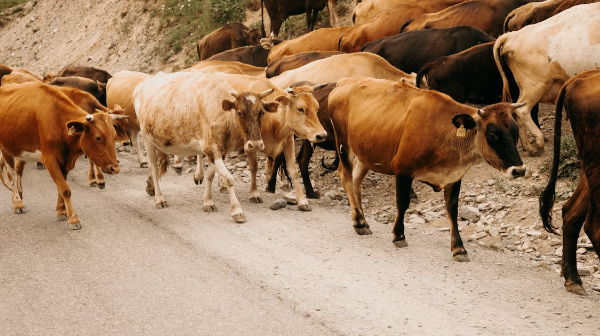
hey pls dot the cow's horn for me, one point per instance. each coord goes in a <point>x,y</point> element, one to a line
<point>517,105</point>
<point>89,117</point>
<point>289,90</point>
<point>266,93</point>
<point>318,86</point>
<point>117,116</point>
<point>481,113</point>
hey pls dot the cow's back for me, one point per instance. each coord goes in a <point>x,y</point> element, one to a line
<point>119,91</point>
<point>99,75</point>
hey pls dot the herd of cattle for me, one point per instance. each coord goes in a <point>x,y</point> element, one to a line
<point>353,89</point>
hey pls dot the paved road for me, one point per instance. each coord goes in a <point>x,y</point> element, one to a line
<point>133,269</point>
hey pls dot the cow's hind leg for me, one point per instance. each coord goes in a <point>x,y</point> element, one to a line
<point>303,158</point>
<point>154,188</point>
<point>451,192</point>
<point>135,139</point>
<point>199,173</point>
<point>15,181</point>
<point>403,197</point>
<point>574,212</point>
<point>345,172</point>
<point>207,202</point>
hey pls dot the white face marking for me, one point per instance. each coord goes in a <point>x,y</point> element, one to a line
<point>30,157</point>
<point>251,98</point>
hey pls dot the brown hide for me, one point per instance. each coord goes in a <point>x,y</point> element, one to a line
<point>228,37</point>
<point>324,39</point>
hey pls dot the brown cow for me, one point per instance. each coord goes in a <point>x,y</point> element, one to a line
<point>280,10</point>
<point>85,71</point>
<point>389,22</point>
<point>51,128</point>
<point>580,97</point>
<point>253,55</point>
<point>367,10</point>
<point>416,135</point>
<point>119,92</point>
<point>324,39</point>
<point>535,12</point>
<point>291,62</point>
<point>17,75</point>
<point>93,87</point>
<point>233,35</point>
<point>487,15</point>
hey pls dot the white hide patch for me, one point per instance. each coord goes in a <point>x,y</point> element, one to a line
<point>251,98</point>
<point>574,47</point>
<point>30,157</point>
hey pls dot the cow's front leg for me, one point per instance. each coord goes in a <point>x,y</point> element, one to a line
<point>227,179</point>
<point>199,173</point>
<point>135,139</point>
<point>64,196</point>
<point>290,159</point>
<point>403,196</point>
<point>574,214</point>
<point>254,194</point>
<point>9,164</point>
<point>159,199</point>
<point>207,202</point>
<point>451,192</point>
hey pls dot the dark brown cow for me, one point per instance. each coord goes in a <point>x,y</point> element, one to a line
<point>487,15</point>
<point>416,135</point>
<point>389,23</point>
<point>233,35</point>
<point>580,97</point>
<point>51,128</point>
<point>85,71</point>
<point>93,87</point>
<point>409,51</point>
<point>286,63</point>
<point>280,10</point>
<point>537,12</point>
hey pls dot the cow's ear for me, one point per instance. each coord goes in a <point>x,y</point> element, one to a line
<point>464,120</point>
<point>75,127</point>
<point>101,86</point>
<point>228,105</point>
<point>271,107</point>
<point>283,100</point>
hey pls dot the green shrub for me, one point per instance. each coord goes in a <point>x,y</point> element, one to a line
<point>5,4</point>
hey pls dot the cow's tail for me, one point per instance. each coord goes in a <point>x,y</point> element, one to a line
<point>198,50</point>
<point>506,20</point>
<point>163,163</point>
<point>5,175</point>
<point>263,34</point>
<point>547,196</point>
<point>423,73</point>
<point>501,65</point>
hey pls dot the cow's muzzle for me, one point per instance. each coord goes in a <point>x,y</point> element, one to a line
<point>254,145</point>
<point>111,169</point>
<point>514,171</point>
<point>319,137</point>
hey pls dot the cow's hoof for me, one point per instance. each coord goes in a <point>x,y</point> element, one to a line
<point>61,217</point>
<point>19,210</point>
<point>576,288</point>
<point>536,153</point>
<point>162,205</point>
<point>198,181</point>
<point>101,185</point>
<point>461,257</point>
<point>74,226</point>
<point>401,243</point>
<point>93,184</point>
<point>363,230</point>
<point>256,200</point>
<point>40,166</point>
<point>144,165</point>
<point>304,207</point>
<point>222,190</point>
<point>239,218</point>
<point>177,170</point>
<point>209,208</point>
<point>314,195</point>
<point>270,190</point>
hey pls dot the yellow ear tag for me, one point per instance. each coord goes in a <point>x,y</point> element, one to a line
<point>461,132</point>
<point>72,130</point>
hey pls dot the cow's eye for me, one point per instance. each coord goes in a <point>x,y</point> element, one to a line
<point>492,137</point>
<point>301,109</point>
<point>98,138</point>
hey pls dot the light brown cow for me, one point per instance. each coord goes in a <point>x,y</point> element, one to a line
<point>535,12</point>
<point>389,22</point>
<point>580,97</point>
<point>286,63</point>
<point>332,69</point>
<point>231,67</point>
<point>396,129</point>
<point>119,91</point>
<point>367,10</point>
<point>323,39</point>
<point>543,56</point>
<point>487,15</point>
<point>296,115</point>
<point>190,113</point>
<point>46,126</point>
